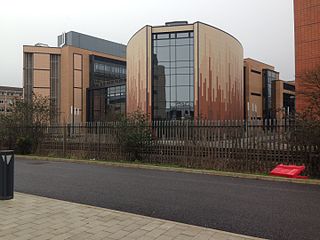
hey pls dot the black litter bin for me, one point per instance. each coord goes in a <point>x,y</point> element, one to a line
<point>6,174</point>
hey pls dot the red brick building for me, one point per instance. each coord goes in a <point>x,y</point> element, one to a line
<point>307,42</point>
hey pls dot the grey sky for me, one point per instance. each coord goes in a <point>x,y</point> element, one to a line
<point>264,27</point>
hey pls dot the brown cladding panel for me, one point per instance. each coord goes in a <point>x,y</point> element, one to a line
<point>220,75</point>
<point>77,78</point>
<point>137,71</point>
<point>41,61</point>
<point>77,60</point>
<point>44,92</point>
<point>78,98</point>
<point>196,69</point>
<point>41,78</point>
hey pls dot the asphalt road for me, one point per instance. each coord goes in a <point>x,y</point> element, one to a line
<point>273,210</point>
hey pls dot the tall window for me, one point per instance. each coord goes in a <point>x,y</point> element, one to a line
<point>28,76</point>
<point>269,76</point>
<point>173,76</point>
<point>54,88</point>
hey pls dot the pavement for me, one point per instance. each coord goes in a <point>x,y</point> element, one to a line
<point>265,209</point>
<point>39,218</point>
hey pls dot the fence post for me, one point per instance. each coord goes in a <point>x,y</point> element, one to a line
<point>99,140</point>
<point>64,140</point>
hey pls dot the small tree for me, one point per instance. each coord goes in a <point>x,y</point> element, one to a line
<point>135,134</point>
<point>307,122</point>
<point>307,130</point>
<point>310,91</point>
<point>22,128</point>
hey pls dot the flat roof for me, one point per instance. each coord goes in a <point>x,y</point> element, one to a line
<point>91,43</point>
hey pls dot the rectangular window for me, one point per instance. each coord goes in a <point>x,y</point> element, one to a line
<point>254,71</point>
<point>162,43</point>
<point>183,80</point>
<point>183,35</point>
<point>163,36</point>
<point>289,87</point>
<point>183,41</point>
<point>106,71</point>
<point>256,94</point>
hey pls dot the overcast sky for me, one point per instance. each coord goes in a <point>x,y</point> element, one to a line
<point>264,27</point>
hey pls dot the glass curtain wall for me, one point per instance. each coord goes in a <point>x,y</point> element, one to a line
<point>173,76</point>
<point>269,77</point>
<point>107,91</point>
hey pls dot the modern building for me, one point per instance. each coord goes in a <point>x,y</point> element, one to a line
<point>185,71</point>
<point>284,98</point>
<point>8,96</point>
<point>258,78</point>
<point>84,77</point>
<point>307,43</point>
<point>266,96</point>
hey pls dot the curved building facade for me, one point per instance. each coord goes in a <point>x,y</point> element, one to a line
<point>185,71</point>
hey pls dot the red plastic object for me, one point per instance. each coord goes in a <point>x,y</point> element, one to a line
<point>289,171</point>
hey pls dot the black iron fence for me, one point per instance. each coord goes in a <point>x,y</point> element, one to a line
<point>256,146</point>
